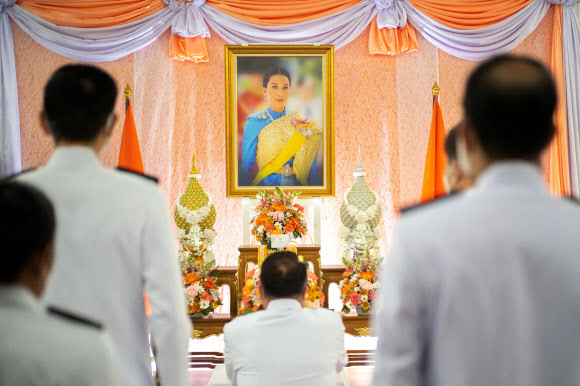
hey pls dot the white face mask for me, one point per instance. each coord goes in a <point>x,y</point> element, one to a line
<point>462,157</point>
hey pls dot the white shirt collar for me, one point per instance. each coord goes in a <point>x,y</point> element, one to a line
<point>17,296</point>
<point>285,304</point>
<point>73,157</point>
<point>510,175</point>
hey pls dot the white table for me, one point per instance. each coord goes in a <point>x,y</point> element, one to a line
<point>220,378</point>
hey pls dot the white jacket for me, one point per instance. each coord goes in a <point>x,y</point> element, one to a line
<point>114,242</point>
<point>484,288</point>
<point>46,350</point>
<point>285,345</point>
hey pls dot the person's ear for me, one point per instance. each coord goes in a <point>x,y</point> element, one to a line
<point>44,123</point>
<point>111,120</point>
<point>467,133</point>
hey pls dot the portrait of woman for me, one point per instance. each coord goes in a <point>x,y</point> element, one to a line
<point>279,113</point>
<point>283,144</point>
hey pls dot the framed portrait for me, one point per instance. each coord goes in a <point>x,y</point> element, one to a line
<point>280,119</point>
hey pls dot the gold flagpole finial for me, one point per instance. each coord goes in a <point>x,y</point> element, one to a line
<point>128,92</point>
<point>193,168</point>
<point>435,89</point>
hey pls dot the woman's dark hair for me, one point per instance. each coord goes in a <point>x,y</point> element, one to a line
<point>510,101</point>
<point>276,71</point>
<point>78,100</point>
<point>27,226</point>
<point>283,275</point>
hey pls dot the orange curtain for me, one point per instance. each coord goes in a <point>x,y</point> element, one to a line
<point>392,41</point>
<point>192,49</point>
<point>559,162</point>
<point>280,12</point>
<point>469,14</point>
<point>91,13</point>
<point>435,163</point>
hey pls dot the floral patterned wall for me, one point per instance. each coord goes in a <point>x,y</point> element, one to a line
<point>382,103</point>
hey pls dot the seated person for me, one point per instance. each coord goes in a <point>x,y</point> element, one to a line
<point>285,344</point>
<point>455,179</point>
<point>36,347</point>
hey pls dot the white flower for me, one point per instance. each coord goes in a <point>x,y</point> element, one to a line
<point>180,233</point>
<point>364,298</point>
<point>361,217</point>
<point>196,287</point>
<point>357,288</point>
<point>260,229</point>
<point>209,233</point>
<point>215,295</point>
<point>204,304</point>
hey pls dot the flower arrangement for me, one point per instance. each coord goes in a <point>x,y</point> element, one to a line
<point>359,284</point>
<point>251,297</point>
<point>201,290</point>
<point>278,214</point>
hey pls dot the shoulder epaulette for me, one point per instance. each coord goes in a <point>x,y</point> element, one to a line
<point>151,178</point>
<point>411,208</point>
<point>74,318</point>
<point>18,174</point>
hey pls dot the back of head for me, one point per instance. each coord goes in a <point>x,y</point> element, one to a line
<point>509,102</point>
<point>78,101</point>
<point>283,275</point>
<point>27,226</point>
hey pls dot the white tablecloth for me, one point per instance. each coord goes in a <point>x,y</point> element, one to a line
<point>220,378</point>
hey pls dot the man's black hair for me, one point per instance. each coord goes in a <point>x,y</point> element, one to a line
<point>450,145</point>
<point>78,100</point>
<point>27,226</point>
<point>276,71</point>
<point>283,275</point>
<point>510,101</point>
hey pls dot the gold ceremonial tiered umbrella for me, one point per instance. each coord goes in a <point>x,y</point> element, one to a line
<point>193,199</point>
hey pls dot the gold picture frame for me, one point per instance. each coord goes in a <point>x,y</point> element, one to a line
<point>304,98</point>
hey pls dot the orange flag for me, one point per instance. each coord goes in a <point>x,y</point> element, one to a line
<point>130,158</point>
<point>130,153</point>
<point>436,161</point>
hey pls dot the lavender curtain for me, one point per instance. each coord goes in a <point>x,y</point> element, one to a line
<point>338,29</point>
<point>479,44</point>
<point>9,118</point>
<point>571,49</point>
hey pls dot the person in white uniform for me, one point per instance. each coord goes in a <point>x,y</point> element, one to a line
<point>36,347</point>
<point>114,239</point>
<point>285,344</point>
<point>483,288</point>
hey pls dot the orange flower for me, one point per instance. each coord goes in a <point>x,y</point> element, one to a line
<point>367,275</point>
<point>191,278</point>
<point>365,306</point>
<point>289,228</point>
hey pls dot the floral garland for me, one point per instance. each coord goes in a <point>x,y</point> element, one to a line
<point>194,217</point>
<point>363,216</point>
<point>196,259</point>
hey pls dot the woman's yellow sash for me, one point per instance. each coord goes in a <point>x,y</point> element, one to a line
<point>292,146</point>
<point>279,141</point>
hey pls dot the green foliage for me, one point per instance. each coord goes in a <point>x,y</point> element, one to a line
<point>345,309</point>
